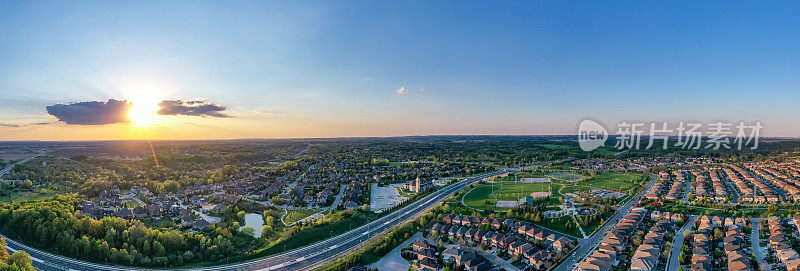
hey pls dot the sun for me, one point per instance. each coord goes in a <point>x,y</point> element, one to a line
<point>143,113</point>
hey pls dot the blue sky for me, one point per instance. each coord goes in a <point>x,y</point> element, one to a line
<point>333,68</point>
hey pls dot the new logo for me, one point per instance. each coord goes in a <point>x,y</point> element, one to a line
<point>591,135</point>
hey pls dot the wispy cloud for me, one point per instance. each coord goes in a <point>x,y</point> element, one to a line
<point>402,90</point>
<point>265,112</point>
<point>18,125</point>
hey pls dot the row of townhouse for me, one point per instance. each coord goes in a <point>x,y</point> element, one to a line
<point>788,188</point>
<point>770,195</point>
<point>734,243</point>
<point>720,192</point>
<point>676,190</point>
<point>710,222</point>
<point>792,168</point>
<point>647,255</point>
<point>517,241</point>
<point>746,193</point>
<point>463,220</point>
<point>767,193</point>
<point>658,215</point>
<point>518,246</point>
<point>657,188</point>
<point>780,245</point>
<point>701,185</point>
<point>702,259</point>
<point>614,243</point>
<point>770,175</point>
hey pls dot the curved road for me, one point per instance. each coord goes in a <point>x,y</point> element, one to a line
<point>588,245</point>
<point>304,258</point>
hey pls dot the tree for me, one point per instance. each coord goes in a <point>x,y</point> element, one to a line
<point>188,255</point>
<point>22,260</point>
<point>266,231</point>
<point>248,231</point>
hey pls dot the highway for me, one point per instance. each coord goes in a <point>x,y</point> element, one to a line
<point>9,168</point>
<point>304,258</point>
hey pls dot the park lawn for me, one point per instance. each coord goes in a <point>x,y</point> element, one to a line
<point>296,215</point>
<point>404,193</point>
<point>612,181</point>
<point>566,176</point>
<point>573,189</point>
<point>482,198</point>
<point>316,233</point>
<point>594,225</point>
<point>22,196</point>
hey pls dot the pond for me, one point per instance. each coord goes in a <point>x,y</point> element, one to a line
<point>254,221</point>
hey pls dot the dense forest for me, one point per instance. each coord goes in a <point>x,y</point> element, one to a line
<point>57,225</point>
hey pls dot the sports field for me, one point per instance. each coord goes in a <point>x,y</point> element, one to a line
<point>566,176</point>
<point>612,181</point>
<point>486,195</point>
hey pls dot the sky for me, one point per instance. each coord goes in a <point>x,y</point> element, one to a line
<point>72,70</point>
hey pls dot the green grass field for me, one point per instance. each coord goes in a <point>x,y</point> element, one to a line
<point>566,176</point>
<point>18,196</point>
<point>404,193</point>
<point>297,215</point>
<point>612,181</point>
<point>482,197</point>
<point>314,234</point>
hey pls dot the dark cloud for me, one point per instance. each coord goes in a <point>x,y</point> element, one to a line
<point>192,108</point>
<point>92,113</point>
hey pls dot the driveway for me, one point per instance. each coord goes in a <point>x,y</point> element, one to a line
<point>498,261</point>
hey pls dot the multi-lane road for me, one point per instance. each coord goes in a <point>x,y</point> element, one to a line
<point>304,258</point>
<point>9,168</point>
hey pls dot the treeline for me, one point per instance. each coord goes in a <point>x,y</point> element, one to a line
<point>55,225</point>
<point>19,261</point>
